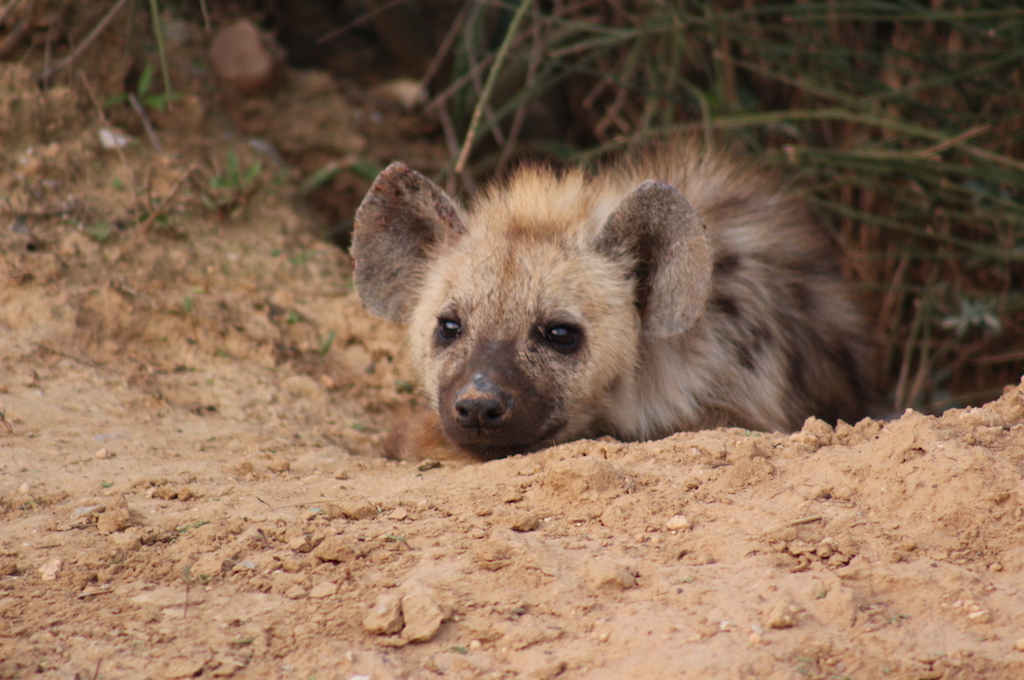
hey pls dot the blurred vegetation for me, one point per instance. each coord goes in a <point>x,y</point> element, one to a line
<point>902,121</point>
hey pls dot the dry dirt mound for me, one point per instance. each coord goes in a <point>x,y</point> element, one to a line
<point>192,488</point>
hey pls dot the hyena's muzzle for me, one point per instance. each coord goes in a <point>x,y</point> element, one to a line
<point>493,408</point>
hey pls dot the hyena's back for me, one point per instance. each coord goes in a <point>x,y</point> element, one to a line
<point>781,337</point>
<point>678,326</point>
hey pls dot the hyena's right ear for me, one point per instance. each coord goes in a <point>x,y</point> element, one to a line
<point>402,216</point>
<point>659,234</point>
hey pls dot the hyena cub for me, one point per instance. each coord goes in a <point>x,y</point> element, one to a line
<point>678,292</point>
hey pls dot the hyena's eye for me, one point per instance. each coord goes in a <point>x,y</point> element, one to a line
<point>448,329</point>
<point>563,338</point>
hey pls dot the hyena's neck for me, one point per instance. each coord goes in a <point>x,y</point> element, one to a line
<point>666,395</point>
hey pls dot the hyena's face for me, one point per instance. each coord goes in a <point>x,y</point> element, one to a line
<point>519,339</point>
<point>526,313</point>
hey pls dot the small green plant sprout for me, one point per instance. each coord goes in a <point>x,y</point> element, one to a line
<point>325,344</point>
<point>150,100</point>
<point>3,421</point>
<point>228,191</point>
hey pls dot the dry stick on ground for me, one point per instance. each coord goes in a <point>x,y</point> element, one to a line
<point>49,71</point>
<point>10,430</point>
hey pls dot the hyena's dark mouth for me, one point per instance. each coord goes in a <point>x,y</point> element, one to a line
<point>489,446</point>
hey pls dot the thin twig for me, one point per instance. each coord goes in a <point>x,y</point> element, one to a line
<point>157,211</point>
<point>48,73</point>
<point>492,77</point>
<point>446,45</point>
<point>359,21</point>
<point>146,124</point>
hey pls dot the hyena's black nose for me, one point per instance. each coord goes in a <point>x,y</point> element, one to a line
<point>481,404</point>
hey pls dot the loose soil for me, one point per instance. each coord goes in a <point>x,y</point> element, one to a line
<point>193,486</point>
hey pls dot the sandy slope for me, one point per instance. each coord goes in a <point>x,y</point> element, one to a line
<point>192,489</point>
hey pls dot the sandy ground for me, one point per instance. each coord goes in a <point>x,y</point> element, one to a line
<point>193,486</point>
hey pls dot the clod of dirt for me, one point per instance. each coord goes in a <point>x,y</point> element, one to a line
<point>518,520</point>
<point>585,478</point>
<point>243,60</point>
<point>783,615</point>
<point>385,617</point>
<point>117,517</point>
<point>604,573</point>
<point>51,570</point>
<point>422,614</point>
<point>678,523</point>
<point>336,548</point>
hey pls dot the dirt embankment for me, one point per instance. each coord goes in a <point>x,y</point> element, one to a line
<point>192,486</point>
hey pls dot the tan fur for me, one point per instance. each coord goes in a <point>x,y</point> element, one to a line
<point>746,323</point>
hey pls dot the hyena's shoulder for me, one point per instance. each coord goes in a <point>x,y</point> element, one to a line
<point>782,335</point>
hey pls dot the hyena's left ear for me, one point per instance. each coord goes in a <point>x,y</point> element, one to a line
<point>659,233</point>
<point>402,216</point>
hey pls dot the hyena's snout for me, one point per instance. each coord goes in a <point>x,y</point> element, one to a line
<point>482,405</point>
<point>494,410</point>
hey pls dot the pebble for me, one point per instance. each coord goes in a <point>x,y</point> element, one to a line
<point>117,517</point>
<point>322,590</point>
<point>336,548</point>
<point>609,574</point>
<point>783,615</point>
<point>403,93</point>
<point>422,614</point>
<point>50,570</point>
<point>678,523</point>
<point>385,616</point>
<point>241,59</point>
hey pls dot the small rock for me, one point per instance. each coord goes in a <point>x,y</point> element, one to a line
<point>422,614</point>
<point>279,465</point>
<point>580,479</point>
<point>244,60</point>
<point>603,573</point>
<point>300,543</point>
<point>295,592</point>
<point>336,548</point>
<point>358,509</point>
<point>102,454</point>
<point>1019,645</point>
<point>50,570</point>
<point>385,617</point>
<point>111,139</point>
<point>322,590</point>
<point>783,615</point>
<point>403,93</point>
<point>493,555</point>
<point>116,517</point>
<point>519,520</point>
<point>678,523</point>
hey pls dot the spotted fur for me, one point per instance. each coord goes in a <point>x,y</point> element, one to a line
<point>697,294</point>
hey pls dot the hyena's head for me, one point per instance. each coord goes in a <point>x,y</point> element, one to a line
<point>527,312</point>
